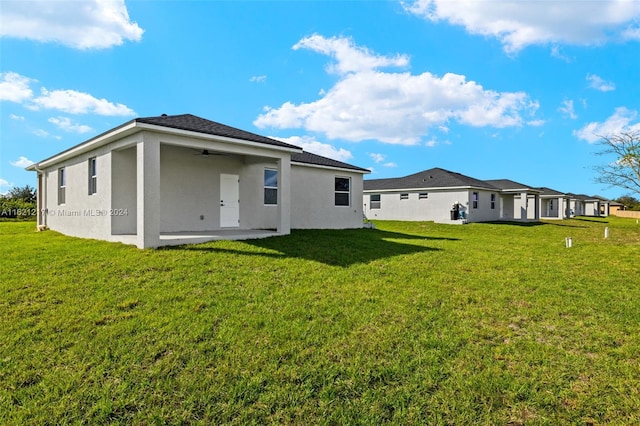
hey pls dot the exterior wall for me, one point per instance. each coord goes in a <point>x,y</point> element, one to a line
<point>123,191</point>
<point>253,211</point>
<point>484,212</point>
<point>591,208</point>
<point>313,199</point>
<point>190,188</point>
<point>82,215</point>
<point>437,207</point>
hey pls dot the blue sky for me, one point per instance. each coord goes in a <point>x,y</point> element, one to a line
<point>491,89</point>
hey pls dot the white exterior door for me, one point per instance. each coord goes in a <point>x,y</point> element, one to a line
<point>229,201</point>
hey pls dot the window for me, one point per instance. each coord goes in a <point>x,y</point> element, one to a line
<point>423,196</point>
<point>404,196</point>
<point>551,204</point>
<point>342,191</point>
<point>93,187</point>
<point>62,185</point>
<point>493,201</point>
<point>474,200</point>
<point>270,186</point>
<point>374,201</point>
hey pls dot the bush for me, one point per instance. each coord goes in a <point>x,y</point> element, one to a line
<point>17,209</point>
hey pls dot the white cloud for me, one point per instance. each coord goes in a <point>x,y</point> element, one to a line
<point>22,162</point>
<point>41,133</point>
<point>4,186</point>
<point>311,145</point>
<point>518,24</point>
<point>390,164</point>
<point>596,82</point>
<point>15,87</point>
<point>95,24</point>
<point>349,57</point>
<point>67,125</point>
<point>16,117</point>
<point>622,120</point>
<point>377,158</point>
<point>258,79</point>
<point>74,102</point>
<point>567,109</point>
<point>397,108</point>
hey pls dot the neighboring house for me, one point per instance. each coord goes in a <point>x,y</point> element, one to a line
<point>518,202</point>
<point>584,205</point>
<point>604,205</point>
<point>554,204</point>
<point>170,180</point>
<point>432,195</point>
<point>615,207</point>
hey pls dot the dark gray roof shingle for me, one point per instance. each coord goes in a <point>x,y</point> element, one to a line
<point>550,192</point>
<point>432,178</point>
<point>509,184</point>
<point>309,158</point>
<point>193,123</point>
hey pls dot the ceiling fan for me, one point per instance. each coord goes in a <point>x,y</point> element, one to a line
<point>207,153</point>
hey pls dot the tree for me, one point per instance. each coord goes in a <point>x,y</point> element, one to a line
<point>25,193</point>
<point>624,172</point>
<point>631,203</point>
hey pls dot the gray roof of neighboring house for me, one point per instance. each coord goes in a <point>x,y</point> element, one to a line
<point>550,192</point>
<point>193,123</point>
<point>432,178</point>
<point>309,158</point>
<point>581,197</point>
<point>505,184</point>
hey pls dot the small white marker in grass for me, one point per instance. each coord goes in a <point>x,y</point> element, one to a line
<point>568,242</point>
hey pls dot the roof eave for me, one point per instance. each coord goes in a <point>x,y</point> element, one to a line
<point>322,166</point>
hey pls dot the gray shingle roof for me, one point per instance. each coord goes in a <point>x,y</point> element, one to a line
<point>201,125</point>
<point>509,184</point>
<point>432,178</point>
<point>550,192</point>
<point>309,158</point>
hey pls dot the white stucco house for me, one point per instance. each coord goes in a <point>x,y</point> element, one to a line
<point>444,196</point>
<point>435,195</point>
<point>178,179</point>
<point>518,202</point>
<point>554,205</point>
<point>584,205</point>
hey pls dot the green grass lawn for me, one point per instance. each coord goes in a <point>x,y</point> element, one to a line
<point>412,323</point>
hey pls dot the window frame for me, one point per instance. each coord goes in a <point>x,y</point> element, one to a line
<point>404,196</point>
<point>269,188</point>
<point>337,192</point>
<point>493,201</point>
<point>93,176</point>
<point>475,200</point>
<point>375,205</point>
<point>423,196</point>
<point>62,186</point>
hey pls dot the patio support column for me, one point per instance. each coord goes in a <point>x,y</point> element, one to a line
<point>148,193</point>
<point>284,195</point>
<point>560,208</point>
<point>537,207</point>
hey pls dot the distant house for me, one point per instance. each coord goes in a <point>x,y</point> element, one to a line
<point>519,202</point>
<point>584,205</point>
<point>432,195</point>
<point>177,179</point>
<point>554,204</point>
<point>604,205</point>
